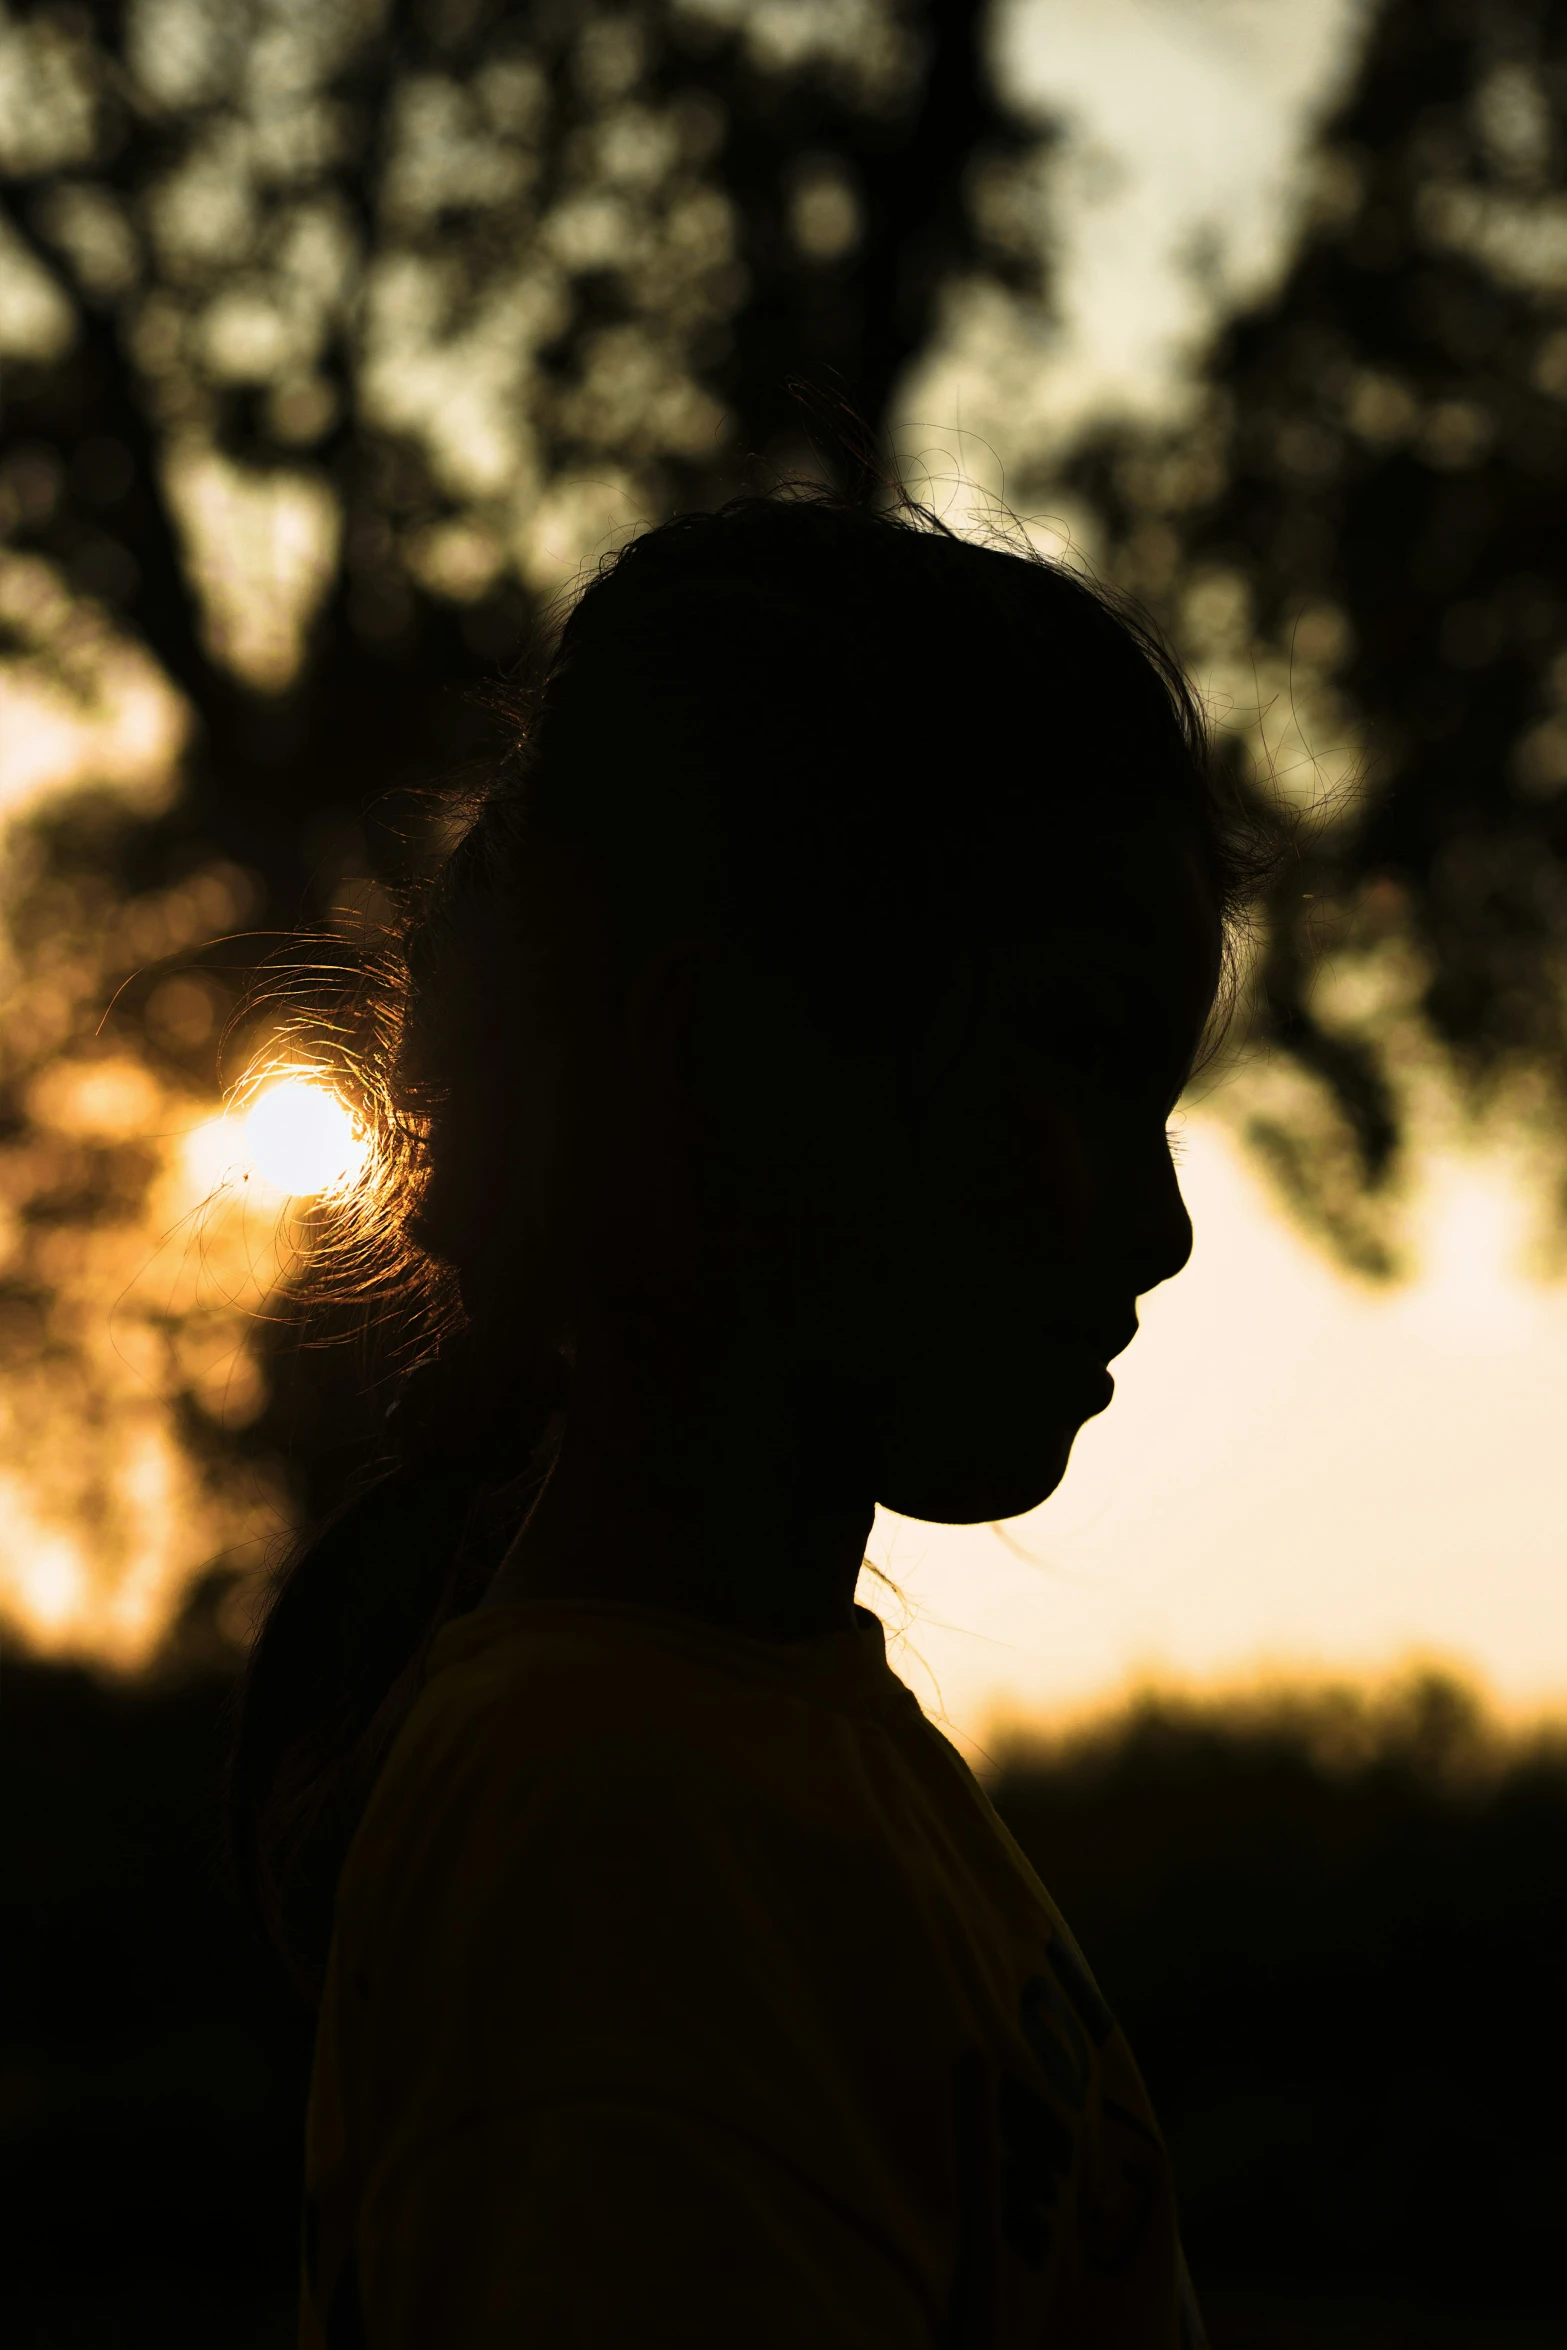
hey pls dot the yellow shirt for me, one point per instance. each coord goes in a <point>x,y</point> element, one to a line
<point>686,1990</point>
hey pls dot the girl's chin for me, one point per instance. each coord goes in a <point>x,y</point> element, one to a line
<point>986,1485</point>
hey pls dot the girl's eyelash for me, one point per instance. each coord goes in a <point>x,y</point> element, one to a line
<point>1175,1143</point>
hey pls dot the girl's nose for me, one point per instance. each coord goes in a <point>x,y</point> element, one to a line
<point>1163,1234</point>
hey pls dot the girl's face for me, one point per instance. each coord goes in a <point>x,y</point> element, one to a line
<point>912,1270</point>
<point>981,1243</point>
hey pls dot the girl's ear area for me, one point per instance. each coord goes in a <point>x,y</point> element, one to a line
<point>666,1012</point>
<point>702,1020</point>
<point>663,985</point>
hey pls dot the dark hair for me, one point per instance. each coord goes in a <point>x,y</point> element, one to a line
<point>821,730</point>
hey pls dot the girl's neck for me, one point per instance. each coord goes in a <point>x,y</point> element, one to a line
<point>687,1494</point>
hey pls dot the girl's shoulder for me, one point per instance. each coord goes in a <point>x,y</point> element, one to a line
<point>544,1671</point>
<point>551,1709</point>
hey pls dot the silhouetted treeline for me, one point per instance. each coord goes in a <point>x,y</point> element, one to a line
<point>155,2064</point>
<point>1340,1969</point>
<point>1338,1959</point>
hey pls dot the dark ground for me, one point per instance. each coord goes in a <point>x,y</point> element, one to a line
<point>1342,1981</point>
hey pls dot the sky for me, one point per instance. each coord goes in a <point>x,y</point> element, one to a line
<point>1167,195</point>
<point>1301,1475</point>
<point>1183,125</point>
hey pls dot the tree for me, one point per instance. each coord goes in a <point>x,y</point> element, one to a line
<point>1368,522</point>
<point>341,334</point>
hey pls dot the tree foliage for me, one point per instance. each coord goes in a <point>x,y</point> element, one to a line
<point>339,336</point>
<point>1363,533</point>
<point>343,333</point>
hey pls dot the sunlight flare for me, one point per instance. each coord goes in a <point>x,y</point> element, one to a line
<point>302,1138</point>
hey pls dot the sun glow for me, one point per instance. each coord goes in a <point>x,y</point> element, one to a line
<point>301,1138</point>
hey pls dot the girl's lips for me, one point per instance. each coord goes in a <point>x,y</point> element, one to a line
<point>1101,1346</point>
<point>1115,1342</point>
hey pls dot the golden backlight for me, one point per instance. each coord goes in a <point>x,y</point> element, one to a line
<point>301,1138</point>
<point>107,1514</point>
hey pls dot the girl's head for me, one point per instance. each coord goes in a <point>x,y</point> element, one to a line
<point>820,976</point>
<point>786,1052</point>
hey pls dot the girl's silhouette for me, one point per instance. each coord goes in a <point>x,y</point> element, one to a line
<point>786,1052</point>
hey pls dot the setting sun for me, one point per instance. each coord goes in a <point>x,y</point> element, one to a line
<point>302,1138</point>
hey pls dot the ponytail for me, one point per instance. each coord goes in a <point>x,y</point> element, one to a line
<point>356,1609</point>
